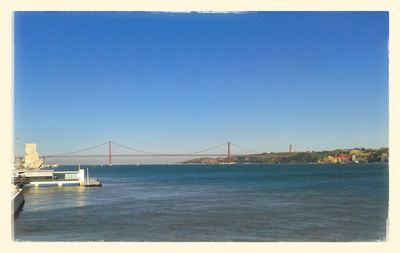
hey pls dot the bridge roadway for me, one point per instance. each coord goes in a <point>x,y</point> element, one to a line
<point>201,153</point>
<point>135,155</point>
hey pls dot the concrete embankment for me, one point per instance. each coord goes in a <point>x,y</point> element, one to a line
<point>17,199</point>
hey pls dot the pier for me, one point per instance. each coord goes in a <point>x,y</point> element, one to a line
<point>39,178</point>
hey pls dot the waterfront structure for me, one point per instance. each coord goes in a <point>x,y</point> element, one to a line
<point>31,158</point>
<point>17,198</point>
<point>39,177</point>
<point>50,177</point>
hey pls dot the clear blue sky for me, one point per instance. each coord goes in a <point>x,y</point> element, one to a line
<point>168,82</point>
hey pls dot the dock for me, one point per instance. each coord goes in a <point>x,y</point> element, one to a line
<point>40,177</point>
<point>92,183</point>
<point>38,183</point>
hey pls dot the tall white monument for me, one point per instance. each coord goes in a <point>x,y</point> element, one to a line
<point>291,148</point>
<point>32,159</point>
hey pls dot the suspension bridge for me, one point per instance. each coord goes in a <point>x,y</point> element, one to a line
<point>141,153</point>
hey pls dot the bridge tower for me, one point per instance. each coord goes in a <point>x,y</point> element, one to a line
<point>229,152</point>
<point>109,154</point>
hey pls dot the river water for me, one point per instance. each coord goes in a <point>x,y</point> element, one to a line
<point>346,202</point>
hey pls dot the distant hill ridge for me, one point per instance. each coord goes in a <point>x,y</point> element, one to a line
<point>359,155</point>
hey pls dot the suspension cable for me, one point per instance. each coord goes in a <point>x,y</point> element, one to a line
<point>153,153</point>
<point>81,150</point>
<point>134,149</point>
<point>247,149</point>
<point>208,149</point>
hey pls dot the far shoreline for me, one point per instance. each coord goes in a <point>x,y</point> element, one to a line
<point>203,164</point>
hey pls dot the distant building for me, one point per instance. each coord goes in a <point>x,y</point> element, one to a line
<point>385,157</point>
<point>343,158</point>
<point>32,159</point>
<point>291,148</point>
<point>359,155</point>
<point>337,159</point>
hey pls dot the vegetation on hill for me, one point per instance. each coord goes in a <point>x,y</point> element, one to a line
<point>334,156</point>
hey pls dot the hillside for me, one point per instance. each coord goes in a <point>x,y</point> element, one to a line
<point>334,156</point>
